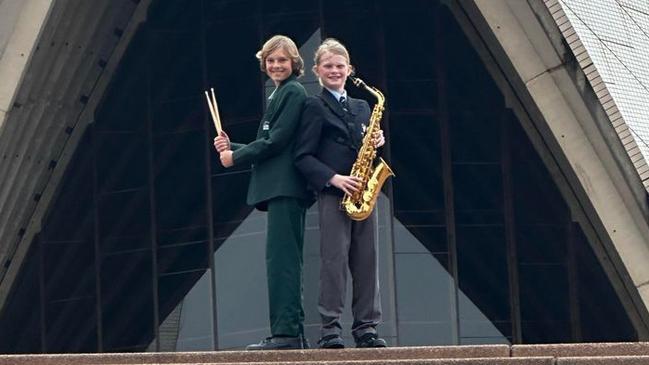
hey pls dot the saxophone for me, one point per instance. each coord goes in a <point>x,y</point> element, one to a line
<point>359,205</point>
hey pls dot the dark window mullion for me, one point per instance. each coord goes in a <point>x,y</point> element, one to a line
<point>573,282</point>
<point>447,175</point>
<point>96,237</point>
<point>387,153</point>
<point>510,227</point>
<point>208,126</point>
<point>41,287</point>
<point>151,186</point>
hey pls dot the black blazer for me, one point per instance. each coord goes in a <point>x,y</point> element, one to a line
<point>329,138</point>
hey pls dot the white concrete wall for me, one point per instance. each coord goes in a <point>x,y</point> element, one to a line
<point>21,23</point>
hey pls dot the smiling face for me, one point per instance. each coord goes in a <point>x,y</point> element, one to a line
<point>278,66</point>
<point>332,70</point>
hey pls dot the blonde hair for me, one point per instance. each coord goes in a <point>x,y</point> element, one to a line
<point>281,42</point>
<point>332,46</point>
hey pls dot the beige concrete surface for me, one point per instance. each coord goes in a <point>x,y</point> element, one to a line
<point>494,361</point>
<point>22,25</point>
<point>582,349</point>
<point>629,234</point>
<point>520,35</point>
<point>392,353</point>
<point>550,354</point>
<point>608,360</point>
<point>9,10</point>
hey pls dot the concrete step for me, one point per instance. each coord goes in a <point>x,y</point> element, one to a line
<point>558,354</point>
<point>221,357</point>
<point>582,349</point>
<point>604,360</point>
<point>474,361</point>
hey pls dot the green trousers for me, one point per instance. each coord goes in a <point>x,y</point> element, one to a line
<point>284,243</point>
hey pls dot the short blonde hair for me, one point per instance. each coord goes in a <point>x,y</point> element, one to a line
<point>332,46</point>
<point>281,42</point>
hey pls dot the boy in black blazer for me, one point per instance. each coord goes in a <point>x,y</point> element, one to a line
<point>327,145</point>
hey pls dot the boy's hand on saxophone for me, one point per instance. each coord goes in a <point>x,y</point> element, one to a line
<point>378,138</point>
<point>348,184</point>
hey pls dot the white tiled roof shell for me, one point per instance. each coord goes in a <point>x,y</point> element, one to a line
<point>610,39</point>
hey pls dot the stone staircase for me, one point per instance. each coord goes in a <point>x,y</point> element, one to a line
<point>558,354</point>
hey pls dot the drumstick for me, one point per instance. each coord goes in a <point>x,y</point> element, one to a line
<point>219,128</point>
<point>209,104</point>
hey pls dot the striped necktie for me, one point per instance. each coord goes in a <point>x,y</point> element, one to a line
<point>343,102</point>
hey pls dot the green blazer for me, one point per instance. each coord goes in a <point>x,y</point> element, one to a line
<point>273,172</point>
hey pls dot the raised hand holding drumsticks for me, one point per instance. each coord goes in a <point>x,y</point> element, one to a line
<point>222,141</point>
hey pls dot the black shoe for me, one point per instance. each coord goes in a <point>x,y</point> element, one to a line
<point>331,342</point>
<point>278,343</point>
<point>370,340</point>
<point>305,343</point>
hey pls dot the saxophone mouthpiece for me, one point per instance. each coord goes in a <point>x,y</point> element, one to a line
<point>357,82</point>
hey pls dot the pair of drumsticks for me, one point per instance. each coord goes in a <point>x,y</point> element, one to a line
<point>214,110</point>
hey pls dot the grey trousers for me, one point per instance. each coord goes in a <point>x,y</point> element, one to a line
<point>344,244</point>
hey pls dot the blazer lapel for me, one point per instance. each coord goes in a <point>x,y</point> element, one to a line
<point>354,110</point>
<point>354,106</point>
<point>334,106</point>
<point>332,103</point>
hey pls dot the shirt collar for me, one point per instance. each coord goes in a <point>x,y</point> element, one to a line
<point>337,94</point>
<point>290,78</point>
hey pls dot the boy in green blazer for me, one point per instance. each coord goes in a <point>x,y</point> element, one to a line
<point>277,186</point>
